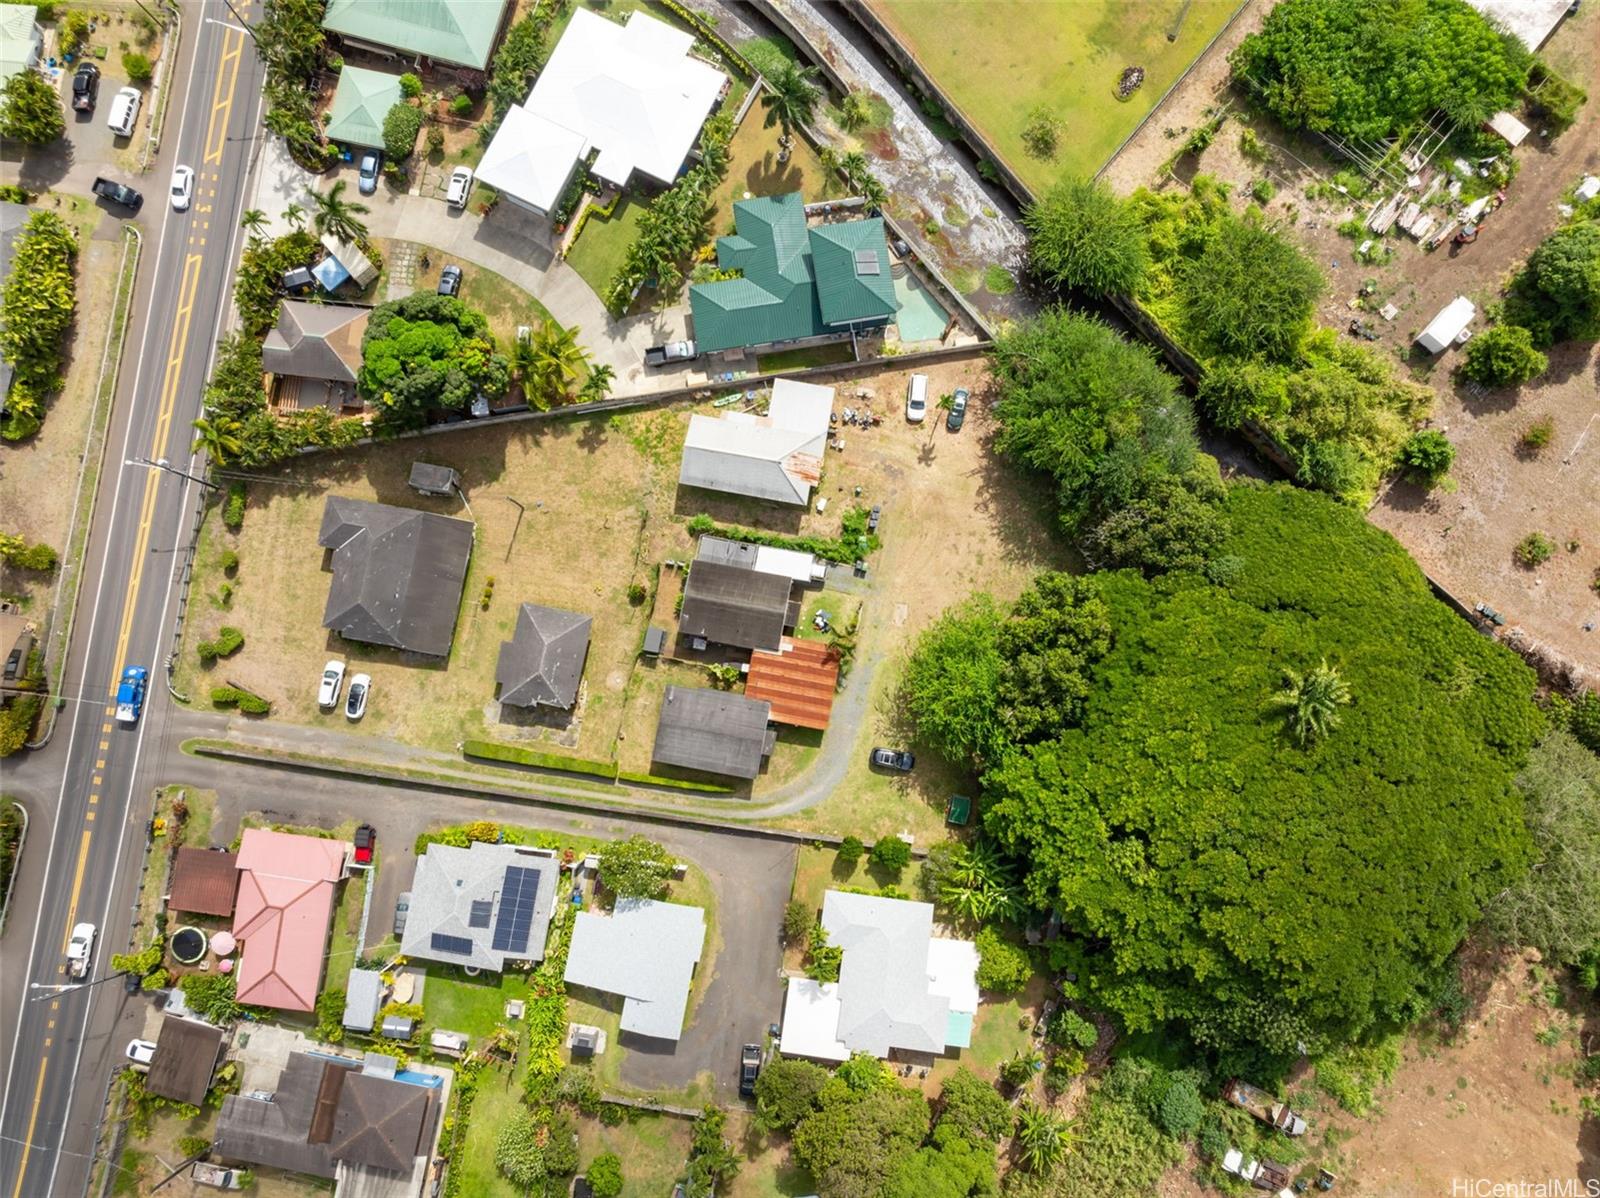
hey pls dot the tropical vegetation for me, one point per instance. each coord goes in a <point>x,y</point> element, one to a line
<point>425,353</point>
<point>30,110</point>
<point>37,309</point>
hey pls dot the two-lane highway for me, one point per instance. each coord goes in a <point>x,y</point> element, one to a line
<point>65,1045</point>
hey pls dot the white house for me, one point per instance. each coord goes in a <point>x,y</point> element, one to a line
<point>899,987</point>
<point>645,951</point>
<point>777,456</point>
<point>630,91</point>
<point>21,39</point>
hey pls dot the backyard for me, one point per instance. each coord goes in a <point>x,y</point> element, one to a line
<point>1005,61</point>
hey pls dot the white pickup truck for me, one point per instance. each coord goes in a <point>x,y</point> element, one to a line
<point>80,951</point>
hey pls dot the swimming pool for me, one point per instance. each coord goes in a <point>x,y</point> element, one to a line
<point>921,317</point>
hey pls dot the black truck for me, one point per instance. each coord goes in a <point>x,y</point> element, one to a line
<point>117,193</point>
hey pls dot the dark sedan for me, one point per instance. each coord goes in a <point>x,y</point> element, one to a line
<point>893,759</point>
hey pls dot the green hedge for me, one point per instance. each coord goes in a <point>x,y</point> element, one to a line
<point>675,783</point>
<point>229,641</point>
<point>703,28</point>
<point>841,550</point>
<point>490,751</point>
<point>232,696</point>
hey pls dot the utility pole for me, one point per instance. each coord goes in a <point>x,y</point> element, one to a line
<point>163,464</point>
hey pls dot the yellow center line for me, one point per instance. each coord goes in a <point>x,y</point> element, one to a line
<point>77,883</point>
<point>222,105</point>
<point>33,1119</point>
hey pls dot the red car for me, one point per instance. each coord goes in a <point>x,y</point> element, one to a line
<point>366,840</point>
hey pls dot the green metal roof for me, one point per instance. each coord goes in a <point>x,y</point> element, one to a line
<point>851,260</point>
<point>360,102</point>
<point>786,267</point>
<point>461,32</point>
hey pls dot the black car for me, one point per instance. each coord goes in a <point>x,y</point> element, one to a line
<point>749,1068</point>
<point>893,759</point>
<point>117,193</point>
<point>957,415</point>
<point>450,280</point>
<point>85,87</point>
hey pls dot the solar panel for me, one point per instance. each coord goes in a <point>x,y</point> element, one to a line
<point>480,913</point>
<point>459,945</point>
<point>867,262</point>
<point>515,920</point>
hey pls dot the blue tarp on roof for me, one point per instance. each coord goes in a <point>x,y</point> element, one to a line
<point>330,273</point>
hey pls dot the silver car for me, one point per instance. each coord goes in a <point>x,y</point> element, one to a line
<point>402,908</point>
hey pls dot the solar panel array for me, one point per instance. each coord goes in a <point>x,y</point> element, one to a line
<point>517,896</point>
<point>867,262</point>
<point>479,918</point>
<point>459,945</point>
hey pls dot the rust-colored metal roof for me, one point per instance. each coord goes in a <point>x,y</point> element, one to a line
<point>799,681</point>
<point>204,882</point>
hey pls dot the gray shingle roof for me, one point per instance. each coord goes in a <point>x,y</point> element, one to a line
<point>735,605</point>
<point>712,731</point>
<point>186,1056</point>
<point>542,663</point>
<point>883,977</point>
<point>381,1123</point>
<point>316,341</point>
<point>646,951</point>
<point>446,884</point>
<point>397,574</point>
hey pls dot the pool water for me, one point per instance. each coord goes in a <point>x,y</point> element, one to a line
<point>921,317</point>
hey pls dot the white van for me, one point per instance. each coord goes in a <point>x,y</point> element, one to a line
<point>124,111</point>
<point>917,399</point>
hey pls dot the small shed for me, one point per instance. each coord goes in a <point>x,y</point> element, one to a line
<point>397,1027</point>
<point>655,640</point>
<point>1588,188</point>
<point>1447,327</point>
<point>363,998</point>
<point>1504,125</point>
<point>428,479</point>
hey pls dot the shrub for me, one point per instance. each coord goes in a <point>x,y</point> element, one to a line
<point>1557,295</point>
<point>38,557</point>
<point>233,508</point>
<point>1534,550</point>
<point>891,854</point>
<point>1252,147</point>
<point>1003,967</point>
<point>400,129</point>
<point>1503,356</point>
<point>229,641</point>
<point>1181,1109</point>
<point>232,696</point>
<point>797,921</point>
<point>137,66</point>
<point>850,850</point>
<point>1081,235</point>
<point>1041,135</point>
<point>605,1175</point>
<point>1213,1140</point>
<point>822,959</point>
<point>637,593</point>
<point>410,86</point>
<point>635,868</point>
<point>1538,434</point>
<point>1263,189</point>
<point>461,105</point>
<point>229,562</point>
<point>435,139</point>
<point>190,1147</point>
<point>1069,1029</point>
<point>1427,455</point>
<point>16,722</point>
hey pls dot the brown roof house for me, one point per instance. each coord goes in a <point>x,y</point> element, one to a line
<point>185,1058</point>
<point>542,664</point>
<point>337,1119</point>
<point>799,680</point>
<point>397,574</point>
<point>204,882</point>
<point>713,731</point>
<point>314,355</point>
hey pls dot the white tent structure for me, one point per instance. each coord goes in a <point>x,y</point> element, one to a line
<point>1448,326</point>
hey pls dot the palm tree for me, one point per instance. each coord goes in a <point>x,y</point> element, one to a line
<point>1043,1138</point>
<point>219,438</point>
<point>790,98</point>
<point>1019,1070</point>
<point>1312,700</point>
<point>980,886</point>
<point>556,359</point>
<point>253,221</point>
<point>598,385</point>
<point>296,216</point>
<point>338,217</point>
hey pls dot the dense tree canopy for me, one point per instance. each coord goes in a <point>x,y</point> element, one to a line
<point>36,311</point>
<point>1370,68</point>
<point>1248,292</point>
<point>1503,356</point>
<point>1264,892</point>
<point>1080,235</point>
<point>428,351</point>
<point>635,868</point>
<point>30,110</point>
<point>1557,295</point>
<point>865,1128</point>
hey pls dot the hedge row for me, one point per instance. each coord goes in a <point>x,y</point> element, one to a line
<point>245,701</point>
<point>703,28</point>
<point>841,550</point>
<point>675,783</point>
<point>549,761</point>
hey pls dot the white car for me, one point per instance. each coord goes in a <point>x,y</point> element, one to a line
<point>80,949</point>
<point>355,704</point>
<point>141,1052</point>
<point>917,399</point>
<point>332,680</point>
<point>460,187</point>
<point>182,191</point>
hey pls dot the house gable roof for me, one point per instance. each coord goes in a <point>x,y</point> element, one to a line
<point>735,605</point>
<point>799,681</point>
<point>316,341</point>
<point>185,1058</point>
<point>460,32</point>
<point>397,574</point>
<point>361,101</point>
<point>285,905</point>
<point>851,260</point>
<point>646,951</point>
<point>381,1123</point>
<point>712,731</point>
<point>204,881</point>
<point>449,883</point>
<point>542,663</point>
<point>777,456</point>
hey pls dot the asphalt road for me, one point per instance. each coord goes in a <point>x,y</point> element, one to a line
<point>81,791</point>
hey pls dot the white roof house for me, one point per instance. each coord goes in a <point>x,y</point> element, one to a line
<point>1444,328</point>
<point>1532,21</point>
<point>645,951</point>
<point>21,39</point>
<point>631,91</point>
<point>777,456</point>
<point>899,986</point>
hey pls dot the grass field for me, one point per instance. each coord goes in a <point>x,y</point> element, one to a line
<point>475,1006</point>
<point>1001,60</point>
<point>654,1149</point>
<point>597,254</point>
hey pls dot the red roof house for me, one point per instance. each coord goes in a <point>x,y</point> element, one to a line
<point>799,680</point>
<point>285,904</point>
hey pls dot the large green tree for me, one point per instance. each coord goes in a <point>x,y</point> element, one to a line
<point>1057,629</point>
<point>425,352</point>
<point>952,678</point>
<point>865,1128</point>
<point>635,868</point>
<point>786,1092</point>
<point>1249,292</point>
<point>30,110</point>
<point>1557,295</point>
<point>1081,235</point>
<point>36,312</point>
<point>1265,894</point>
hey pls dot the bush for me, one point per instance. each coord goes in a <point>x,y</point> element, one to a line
<point>635,868</point>
<point>229,641</point>
<point>461,105</point>
<point>1557,295</point>
<point>137,66</point>
<point>850,850</point>
<point>1534,550</point>
<point>891,854</point>
<point>193,1147</point>
<point>1263,189</point>
<point>1427,455</point>
<point>1081,235</point>
<point>1003,967</point>
<point>229,560</point>
<point>16,722</point>
<point>1213,1140</point>
<point>232,696</point>
<point>1069,1029</point>
<point>435,139</point>
<point>797,921</point>
<point>400,129</point>
<point>1503,356</point>
<point>519,755</point>
<point>637,593</point>
<point>410,86</point>
<point>233,508</point>
<point>1181,1109</point>
<point>605,1175</point>
<point>1041,135</point>
<point>1538,434</point>
<point>36,312</point>
<point>37,557</point>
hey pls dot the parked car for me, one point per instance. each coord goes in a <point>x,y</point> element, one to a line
<point>85,87</point>
<point>130,693</point>
<point>917,399</point>
<point>367,179</point>
<point>355,703</point>
<point>332,680</point>
<point>672,351</point>
<point>124,111</point>
<point>402,908</point>
<point>365,841</point>
<point>80,951</point>
<point>182,192</point>
<point>873,517</point>
<point>957,415</point>
<point>117,193</point>
<point>141,1052</point>
<point>893,759</point>
<point>460,187</point>
<point>450,280</point>
<point>749,1069</point>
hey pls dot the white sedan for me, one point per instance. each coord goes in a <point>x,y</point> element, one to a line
<point>332,681</point>
<point>460,187</point>
<point>356,703</point>
<point>182,192</point>
<point>141,1052</point>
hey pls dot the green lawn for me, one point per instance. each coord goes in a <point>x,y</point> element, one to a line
<point>818,870</point>
<point>1002,59</point>
<point>475,1006</point>
<point>503,303</point>
<point>597,254</point>
<point>653,1149</point>
<point>346,927</point>
<point>499,1094</point>
<point>802,359</point>
<point>998,1032</point>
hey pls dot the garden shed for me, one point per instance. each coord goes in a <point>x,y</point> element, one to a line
<point>1448,326</point>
